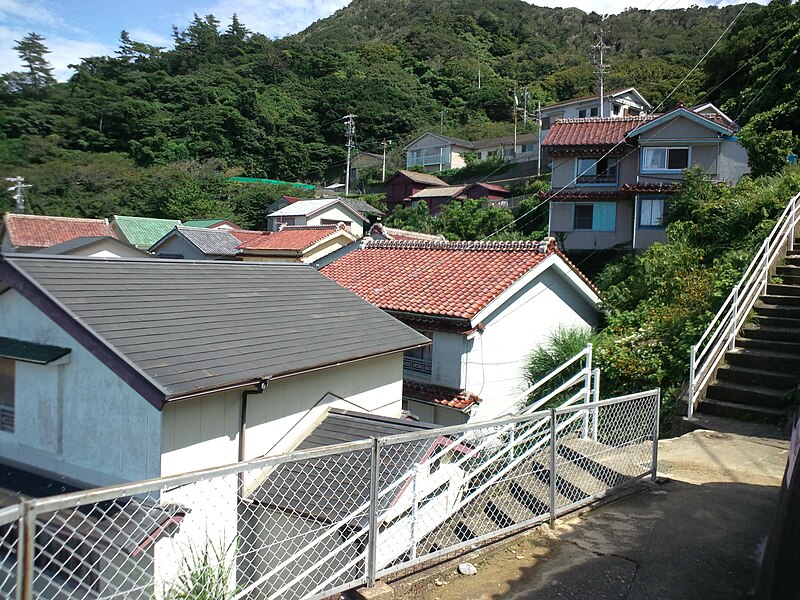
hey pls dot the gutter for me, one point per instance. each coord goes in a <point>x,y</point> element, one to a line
<point>261,386</point>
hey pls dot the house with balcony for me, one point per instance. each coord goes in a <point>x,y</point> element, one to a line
<point>613,177</point>
<point>485,306</point>
<point>436,152</point>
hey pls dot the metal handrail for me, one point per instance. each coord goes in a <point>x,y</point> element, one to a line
<point>720,335</point>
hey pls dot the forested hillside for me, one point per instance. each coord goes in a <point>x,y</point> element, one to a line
<point>154,131</point>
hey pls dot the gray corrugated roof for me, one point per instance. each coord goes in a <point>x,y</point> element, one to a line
<point>325,488</point>
<point>212,242</point>
<point>361,206</point>
<point>192,326</point>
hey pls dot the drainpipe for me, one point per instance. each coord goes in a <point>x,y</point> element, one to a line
<point>261,386</point>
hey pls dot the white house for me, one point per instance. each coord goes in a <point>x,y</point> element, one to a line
<point>625,102</point>
<point>437,152</point>
<point>119,370</point>
<point>320,211</point>
<point>102,246</point>
<point>485,305</point>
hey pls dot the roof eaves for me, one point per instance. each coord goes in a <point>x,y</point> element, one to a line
<point>150,390</point>
<point>680,112</point>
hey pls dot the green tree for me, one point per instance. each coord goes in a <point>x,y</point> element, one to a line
<point>38,71</point>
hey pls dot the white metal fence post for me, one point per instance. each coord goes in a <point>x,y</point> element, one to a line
<point>793,222</point>
<point>372,546</point>
<point>692,360</point>
<point>735,311</point>
<point>414,511</point>
<point>587,390</point>
<point>25,552</point>
<point>656,426</point>
<point>595,410</point>
<point>552,467</point>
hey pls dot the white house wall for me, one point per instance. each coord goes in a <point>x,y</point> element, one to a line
<point>78,420</point>
<point>733,161</point>
<point>337,213</point>
<point>497,356</point>
<point>204,431</point>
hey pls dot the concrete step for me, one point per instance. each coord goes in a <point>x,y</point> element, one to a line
<point>505,510</point>
<point>792,258</point>
<point>739,393</point>
<point>780,322</point>
<point>761,359</point>
<point>770,345</point>
<point>780,300</point>
<point>761,332</point>
<point>617,460</point>
<point>758,377</point>
<point>782,289</point>
<point>742,412</point>
<point>777,310</point>
<point>473,522</point>
<point>787,269</point>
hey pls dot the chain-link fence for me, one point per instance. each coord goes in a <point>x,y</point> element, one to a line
<point>315,522</point>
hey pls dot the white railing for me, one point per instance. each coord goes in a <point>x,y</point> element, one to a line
<point>720,336</point>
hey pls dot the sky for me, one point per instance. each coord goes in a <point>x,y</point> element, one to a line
<point>76,28</point>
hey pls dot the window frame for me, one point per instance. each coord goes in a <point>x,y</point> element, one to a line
<point>643,165</point>
<point>8,370</point>
<point>586,181</point>
<point>575,208</point>
<point>425,358</point>
<point>664,209</point>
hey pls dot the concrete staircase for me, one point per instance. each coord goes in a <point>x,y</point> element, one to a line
<point>758,380</point>
<point>586,469</point>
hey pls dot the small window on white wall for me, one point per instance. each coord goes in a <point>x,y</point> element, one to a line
<point>7,372</point>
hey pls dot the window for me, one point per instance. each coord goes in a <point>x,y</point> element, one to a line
<point>651,212</point>
<point>596,216</point>
<point>508,152</point>
<point>7,368</point>
<point>665,159</point>
<point>593,112</point>
<point>278,221</point>
<point>420,360</point>
<point>583,217</point>
<point>582,113</point>
<point>616,108</point>
<point>545,122</point>
<point>335,222</point>
<point>592,171</point>
<point>527,148</point>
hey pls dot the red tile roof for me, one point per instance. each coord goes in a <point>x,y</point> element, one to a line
<point>453,279</point>
<point>438,394</point>
<point>247,235</point>
<point>592,132</point>
<point>290,238</point>
<point>490,186</point>
<point>625,191</point>
<point>40,231</point>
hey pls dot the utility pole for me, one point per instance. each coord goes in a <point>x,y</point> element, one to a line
<point>350,134</point>
<point>441,121</point>
<point>539,138</point>
<point>479,78</point>
<point>19,185</point>
<point>516,109</point>
<point>383,171</point>
<point>600,68</point>
<point>525,107</point>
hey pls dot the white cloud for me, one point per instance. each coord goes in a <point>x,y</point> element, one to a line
<point>29,12</point>
<point>150,37</point>
<point>273,18</point>
<point>63,51</point>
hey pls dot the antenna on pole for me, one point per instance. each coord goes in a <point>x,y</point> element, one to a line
<point>600,68</point>
<point>17,188</point>
<point>350,134</point>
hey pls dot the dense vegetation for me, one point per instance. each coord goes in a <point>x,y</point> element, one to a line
<point>129,132</point>
<point>657,304</point>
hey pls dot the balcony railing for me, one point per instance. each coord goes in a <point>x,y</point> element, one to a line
<point>6,418</point>
<point>597,180</point>
<point>417,365</point>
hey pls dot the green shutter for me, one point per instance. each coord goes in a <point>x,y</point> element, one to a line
<point>604,217</point>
